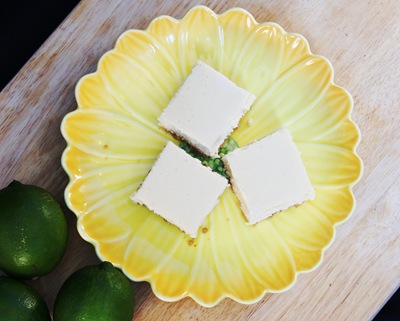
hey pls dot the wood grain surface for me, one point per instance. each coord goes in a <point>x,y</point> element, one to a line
<point>362,40</point>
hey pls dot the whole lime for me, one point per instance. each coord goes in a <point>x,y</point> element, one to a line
<point>18,301</point>
<point>99,292</point>
<point>33,231</point>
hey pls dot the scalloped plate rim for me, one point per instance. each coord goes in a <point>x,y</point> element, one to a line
<point>95,243</point>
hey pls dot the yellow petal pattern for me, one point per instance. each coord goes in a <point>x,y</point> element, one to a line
<point>329,166</point>
<point>303,85</point>
<point>199,38</point>
<point>106,134</point>
<point>113,140</point>
<point>96,95</point>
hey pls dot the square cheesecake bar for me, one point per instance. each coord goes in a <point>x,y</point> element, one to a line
<point>180,189</point>
<point>206,109</point>
<point>268,176</point>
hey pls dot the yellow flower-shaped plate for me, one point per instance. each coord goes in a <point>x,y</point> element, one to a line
<point>113,139</point>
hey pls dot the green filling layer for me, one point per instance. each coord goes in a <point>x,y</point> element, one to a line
<point>216,164</point>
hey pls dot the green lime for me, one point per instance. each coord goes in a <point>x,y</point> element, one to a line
<point>33,231</point>
<point>99,293</point>
<point>20,302</point>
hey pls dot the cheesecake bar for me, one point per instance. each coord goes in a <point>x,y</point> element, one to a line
<point>180,189</point>
<point>268,176</point>
<point>206,109</point>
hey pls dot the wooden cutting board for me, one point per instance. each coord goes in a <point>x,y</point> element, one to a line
<point>361,39</point>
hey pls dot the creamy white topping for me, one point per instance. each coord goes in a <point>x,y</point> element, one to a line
<point>180,189</point>
<point>268,176</point>
<point>206,109</point>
